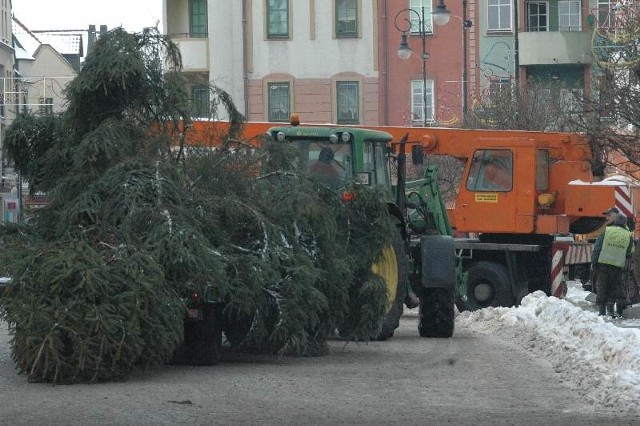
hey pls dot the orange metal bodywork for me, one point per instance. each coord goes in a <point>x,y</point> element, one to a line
<point>209,133</point>
<point>516,211</point>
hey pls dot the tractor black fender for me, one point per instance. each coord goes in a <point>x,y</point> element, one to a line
<point>438,262</point>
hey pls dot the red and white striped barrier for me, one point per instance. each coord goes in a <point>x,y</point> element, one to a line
<point>578,253</point>
<point>558,283</point>
<point>623,200</point>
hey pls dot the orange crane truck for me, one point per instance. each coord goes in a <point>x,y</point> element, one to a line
<point>523,196</point>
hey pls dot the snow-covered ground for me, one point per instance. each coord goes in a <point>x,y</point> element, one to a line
<point>598,357</point>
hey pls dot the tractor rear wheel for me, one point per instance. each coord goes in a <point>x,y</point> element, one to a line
<point>392,266</point>
<point>437,315</point>
<point>488,284</point>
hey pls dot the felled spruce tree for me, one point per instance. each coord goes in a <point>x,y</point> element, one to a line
<point>137,220</point>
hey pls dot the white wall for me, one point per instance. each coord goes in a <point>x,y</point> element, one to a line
<point>321,56</point>
<point>226,48</point>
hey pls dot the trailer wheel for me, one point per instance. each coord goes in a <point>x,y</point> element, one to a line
<point>437,315</point>
<point>202,341</point>
<point>487,285</point>
<point>392,268</point>
<point>211,338</point>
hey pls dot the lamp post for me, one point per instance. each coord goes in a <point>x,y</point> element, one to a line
<point>406,25</point>
<point>466,24</point>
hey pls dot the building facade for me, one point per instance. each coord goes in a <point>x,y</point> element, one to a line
<point>7,62</point>
<point>274,57</point>
<point>337,61</point>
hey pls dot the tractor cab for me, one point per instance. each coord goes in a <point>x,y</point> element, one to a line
<point>339,155</point>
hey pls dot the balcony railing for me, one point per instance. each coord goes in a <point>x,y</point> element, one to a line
<point>555,47</point>
<point>552,28</point>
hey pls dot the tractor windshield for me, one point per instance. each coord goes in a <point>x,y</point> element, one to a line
<point>330,162</point>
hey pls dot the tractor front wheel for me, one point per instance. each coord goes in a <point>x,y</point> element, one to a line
<point>437,315</point>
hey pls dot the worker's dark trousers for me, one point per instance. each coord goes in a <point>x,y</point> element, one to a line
<point>609,287</point>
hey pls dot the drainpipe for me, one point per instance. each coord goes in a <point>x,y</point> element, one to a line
<point>464,61</point>
<point>245,72</point>
<point>385,65</point>
<point>516,46</point>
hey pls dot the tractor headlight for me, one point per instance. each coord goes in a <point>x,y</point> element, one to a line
<point>280,136</point>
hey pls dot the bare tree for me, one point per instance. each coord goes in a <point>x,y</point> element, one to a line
<point>533,107</point>
<point>613,121</point>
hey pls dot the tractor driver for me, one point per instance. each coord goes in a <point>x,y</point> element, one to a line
<point>324,169</point>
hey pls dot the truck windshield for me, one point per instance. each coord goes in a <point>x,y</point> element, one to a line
<point>491,170</point>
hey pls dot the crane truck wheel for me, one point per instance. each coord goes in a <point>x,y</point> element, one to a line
<point>392,266</point>
<point>488,284</point>
<point>586,225</point>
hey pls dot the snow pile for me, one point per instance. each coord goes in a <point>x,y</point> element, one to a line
<point>596,356</point>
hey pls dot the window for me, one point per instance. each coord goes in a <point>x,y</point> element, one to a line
<point>418,5</point>
<point>198,18</point>
<point>606,13</point>
<point>279,95</point>
<point>200,100</point>
<point>373,166</point>
<point>569,17</point>
<point>606,88</point>
<point>46,105</point>
<point>542,170</point>
<point>277,18</point>
<point>537,19</point>
<point>571,101</point>
<point>346,18</point>
<point>491,170</point>
<point>348,96</point>
<point>418,113</point>
<point>499,86</point>
<point>499,15</point>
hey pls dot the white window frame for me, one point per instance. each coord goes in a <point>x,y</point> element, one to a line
<point>416,5</point>
<point>571,101</point>
<point>569,15</point>
<point>417,107</point>
<point>348,99</point>
<point>274,102</point>
<point>497,85</point>
<point>504,11</point>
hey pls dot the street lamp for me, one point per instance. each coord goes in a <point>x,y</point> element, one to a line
<point>441,14</point>
<point>406,25</point>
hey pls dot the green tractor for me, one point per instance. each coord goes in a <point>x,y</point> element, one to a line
<point>419,266</point>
